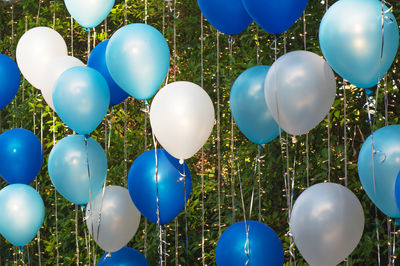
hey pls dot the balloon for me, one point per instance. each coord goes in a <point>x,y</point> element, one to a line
<point>21,156</point>
<point>300,88</point>
<point>124,257</point>
<point>114,219</point>
<point>36,48</point>
<point>97,60</point>
<point>81,98</point>
<point>89,13</point>
<point>275,16</point>
<point>327,222</point>
<point>378,176</point>
<point>182,118</point>
<point>22,213</point>
<point>264,246</point>
<point>68,168</point>
<point>227,16</point>
<point>137,57</point>
<point>9,80</point>
<point>247,101</point>
<point>352,41</point>
<point>142,185</point>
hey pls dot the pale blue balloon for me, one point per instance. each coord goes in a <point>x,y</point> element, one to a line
<point>249,108</point>
<point>22,213</point>
<point>138,57</point>
<point>350,36</point>
<point>68,168</point>
<point>384,168</point>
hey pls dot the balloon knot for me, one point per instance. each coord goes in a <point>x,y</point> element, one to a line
<point>260,146</point>
<point>397,221</point>
<point>277,37</point>
<point>369,92</point>
<point>181,161</point>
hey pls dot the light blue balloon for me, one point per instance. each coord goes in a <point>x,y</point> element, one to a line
<point>22,213</point>
<point>137,57</point>
<point>384,168</point>
<point>249,108</point>
<point>81,98</point>
<point>68,168</point>
<point>350,36</point>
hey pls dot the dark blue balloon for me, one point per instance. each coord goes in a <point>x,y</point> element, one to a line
<point>97,60</point>
<point>21,156</point>
<point>265,247</point>
<point>123,257</point>
<point>143,187</point>
<point>9,80</point>
<point>227,16</point>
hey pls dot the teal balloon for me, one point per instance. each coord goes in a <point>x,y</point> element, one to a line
<point>22,213</point>
<point>378,175</point>
<point>350,37</point>
<point>89,14</point>
<point>138,57</point>
<point>81,98</point>
<point>69,169</point>
<point>249,108</point>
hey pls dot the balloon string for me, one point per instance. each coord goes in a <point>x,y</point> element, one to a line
<point>257,179</point>
<point>146,111</point>
<point>88,44</point>
<point>231,42</point>
<point>125,142</point>
<point>90,194</point>
<point>38,13</point>
<point>186,213</point>
<point>307,160</point>
<point>329,146</point>
<point>202,151</point>
<point>76,235</point>
<point>55,193</point>
<point>125,12</point>
<point>54,14</point>
<point>87,243</point>
<point>258,44</point>
<point>145,11</point>
<point>72,36</point>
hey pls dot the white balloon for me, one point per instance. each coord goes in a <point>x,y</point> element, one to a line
<point>37,47</point>
<point>182,118</point>
<point>300,88</point>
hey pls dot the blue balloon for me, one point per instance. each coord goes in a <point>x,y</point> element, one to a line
<point>264,246</point>
<point>378,176</point>
<point>137,57</point>
<point>275,16</point>
<point>123,257</point>
<point>97,60</point>
<point>22,213</point>
<point>227,16</point>
<point>249,108</point>
<point>68,168</point>
<point>350,36</point>
<point>9,80</point>
<point>81,98</point>
<point>143,187</point>
<point>21,156</point>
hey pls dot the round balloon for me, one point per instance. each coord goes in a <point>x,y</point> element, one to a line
<point>264,246</point>
<point>81,98</point>
<point>142,185</point>
<point>355,44</point>
<point>327,222</point>
<point>9,80</point>
<point>300,88</point>
<point>137,57</point>
<point>112,218</point>
<point>97,60</point>
<point>21,156</point>
<point>68,168</point>
<point>90,13</point>
<point>123,257</point>
<point>182,118</point>
<point>22,213</point>
<point>247,101</point>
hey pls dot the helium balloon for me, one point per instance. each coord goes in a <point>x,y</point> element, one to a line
<point>300,88</point>
<point>81,98</point>
<point>264,246</point>
<point>227,16</point>
<point>275,16</point>
<point>182,118</point>
<point>137,57</point>
<point>21,156</point>
<point>247,101</point>
<point>112,218</point>
<point>378,167</point>
<point>123,257</point>
<point>37,47</point>
<point>355,44</point>
<point>22,213</point>
<point>68,168</point>
<point>89,14</point>
<point>142,185</point>
<point>9,80</point>
<point>97,60</point>
<point>327,222</point>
